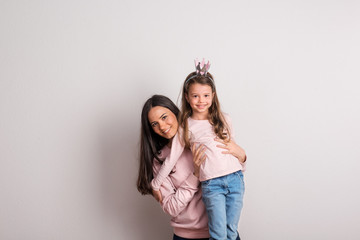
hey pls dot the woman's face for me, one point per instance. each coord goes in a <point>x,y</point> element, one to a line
<point>163,121</point>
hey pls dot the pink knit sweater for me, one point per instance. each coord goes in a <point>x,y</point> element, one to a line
<point>216,164</point>
<point>182,197</point>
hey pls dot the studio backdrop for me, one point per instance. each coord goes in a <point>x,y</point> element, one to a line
<point>74,76</point>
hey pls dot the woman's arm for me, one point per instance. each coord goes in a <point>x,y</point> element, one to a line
<point>232,148</point>
<point>176,150</point>
<point>176,200</point>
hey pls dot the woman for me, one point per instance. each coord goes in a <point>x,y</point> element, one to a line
<point>180,193</point>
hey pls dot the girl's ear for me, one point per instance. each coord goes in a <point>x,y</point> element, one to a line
<point>186,97</point>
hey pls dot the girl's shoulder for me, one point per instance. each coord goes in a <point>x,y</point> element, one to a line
<point>227,117</point>
<point>225,114</point>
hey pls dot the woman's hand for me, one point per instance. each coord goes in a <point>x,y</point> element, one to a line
<point>199,157</point>
<point>232,148</point>
<point>157,195</point>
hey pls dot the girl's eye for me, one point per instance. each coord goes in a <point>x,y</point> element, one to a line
<point>164,117</point>
<point>153,125</point>
<point>206,95</point>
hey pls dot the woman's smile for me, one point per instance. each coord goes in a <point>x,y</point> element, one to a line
<point>163,122</point>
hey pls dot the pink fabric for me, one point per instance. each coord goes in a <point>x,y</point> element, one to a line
<point>176,150</point>
<point>182,197</point>
<point>216,164</point>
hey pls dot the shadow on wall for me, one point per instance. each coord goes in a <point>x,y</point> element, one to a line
<point>126,211</point>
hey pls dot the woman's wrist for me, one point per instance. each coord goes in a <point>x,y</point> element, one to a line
<point>242,159</point>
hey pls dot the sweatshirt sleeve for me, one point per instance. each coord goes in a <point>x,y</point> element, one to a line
<point>176,150</point>
<point>176,200</point>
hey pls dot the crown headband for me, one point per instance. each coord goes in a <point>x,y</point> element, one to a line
<point>202,69</point>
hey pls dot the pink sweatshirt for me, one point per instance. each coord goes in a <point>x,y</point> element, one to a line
<point>182,197</point>
<point>215,165</point>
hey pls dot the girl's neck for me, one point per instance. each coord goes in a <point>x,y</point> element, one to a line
<point>200,116</point>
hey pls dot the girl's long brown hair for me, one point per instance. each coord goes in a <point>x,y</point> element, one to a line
<point>216,118</point>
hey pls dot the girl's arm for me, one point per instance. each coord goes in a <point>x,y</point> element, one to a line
<point>176,150</point>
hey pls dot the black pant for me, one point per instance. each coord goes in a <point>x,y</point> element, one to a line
<point>176,237</point>
<point>180,238</point>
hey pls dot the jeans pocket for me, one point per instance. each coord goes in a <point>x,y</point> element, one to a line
<point>241,177</point>
<point>205,183</point>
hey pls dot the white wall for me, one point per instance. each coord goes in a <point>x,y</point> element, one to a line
<point>74,75</point>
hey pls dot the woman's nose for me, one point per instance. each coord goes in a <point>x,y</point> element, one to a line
<point>162,125</point>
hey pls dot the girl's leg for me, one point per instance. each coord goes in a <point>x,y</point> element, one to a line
<point>234,203</point>
<point>213,195</point>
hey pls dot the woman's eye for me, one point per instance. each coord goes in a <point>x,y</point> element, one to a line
<point>153,125</point>
<point>164,117</point>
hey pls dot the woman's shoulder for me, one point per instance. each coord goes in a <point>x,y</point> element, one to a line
<point>163,153</point>
<point>185,156</point>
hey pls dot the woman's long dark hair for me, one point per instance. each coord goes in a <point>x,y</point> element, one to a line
<point>150,142</point>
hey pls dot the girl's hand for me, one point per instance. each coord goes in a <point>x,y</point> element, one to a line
<point>232,148</point>
<point>199,157</point>
<point>157,195</point>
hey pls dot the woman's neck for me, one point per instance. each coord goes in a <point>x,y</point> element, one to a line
<point>169,143</point>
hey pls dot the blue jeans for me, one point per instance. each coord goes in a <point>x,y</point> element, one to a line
<point>223,199</point>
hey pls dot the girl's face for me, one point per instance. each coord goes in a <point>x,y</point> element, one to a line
<point>200,97</point>
<point>163,121</point>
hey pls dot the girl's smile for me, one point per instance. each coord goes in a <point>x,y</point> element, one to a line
<point>200,97</point>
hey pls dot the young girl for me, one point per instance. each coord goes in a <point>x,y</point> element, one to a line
<point>221,176</point>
